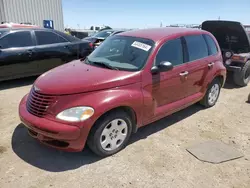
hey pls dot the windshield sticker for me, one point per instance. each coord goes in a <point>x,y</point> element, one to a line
<point>140,45</point>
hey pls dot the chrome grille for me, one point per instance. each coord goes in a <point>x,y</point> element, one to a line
<point>38,103</point>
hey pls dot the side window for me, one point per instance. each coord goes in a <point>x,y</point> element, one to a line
<point>211,44</point>
<point>171,51</point>
<point>46,37</point>
<point>197,47</point>
<point>16,39</point>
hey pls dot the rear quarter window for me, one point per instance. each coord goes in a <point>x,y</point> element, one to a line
<point>196,46</point>
<point>211,45</point>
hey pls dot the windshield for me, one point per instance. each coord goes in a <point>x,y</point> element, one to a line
<point>103,34</point>
<point>122,52</point>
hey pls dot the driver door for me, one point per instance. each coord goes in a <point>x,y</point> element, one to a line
<point>167,89</point>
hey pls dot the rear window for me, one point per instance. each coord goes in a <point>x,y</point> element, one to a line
<point>197,47</point>
<point>67,36</point>
<point>46,37</point>
<point>211,45</point>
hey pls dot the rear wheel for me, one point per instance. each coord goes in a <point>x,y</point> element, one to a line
<point>110,134</point>
<point>212,94</point>
<point>242,78</point>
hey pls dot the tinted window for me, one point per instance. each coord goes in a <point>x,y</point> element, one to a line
<point>2,32</point>
<point>211,44</point>
<point>45,37</point>
<point>67,36</point>
<point>197,47</point>
<point>172,52</point>
<point>17,39</point>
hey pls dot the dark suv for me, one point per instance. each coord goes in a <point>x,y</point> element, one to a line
<point>234,42</point>
<point>33,51</point>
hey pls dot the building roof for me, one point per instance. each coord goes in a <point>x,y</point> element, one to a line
<point>156,34</point>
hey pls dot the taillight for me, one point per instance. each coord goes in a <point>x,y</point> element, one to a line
<point>91,45</point>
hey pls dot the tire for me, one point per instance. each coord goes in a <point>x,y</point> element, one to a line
<point>213,91</point>
<point>242,78</point>
<point>103,140</point>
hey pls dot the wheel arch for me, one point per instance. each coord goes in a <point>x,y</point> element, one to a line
<point>220,78</point>
<point>129,110</point>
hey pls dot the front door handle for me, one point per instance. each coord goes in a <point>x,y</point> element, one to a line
<point>210,65</point>
<point>184,73</point>
<point>29,52</point>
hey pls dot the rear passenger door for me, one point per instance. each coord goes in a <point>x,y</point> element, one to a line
<point>52,50</point>
<point>198,63</point>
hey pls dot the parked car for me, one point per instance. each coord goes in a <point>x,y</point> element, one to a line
<point>132,79</point>
<point>99,37</point>
<point>33,51</point>
<point>234,42</point>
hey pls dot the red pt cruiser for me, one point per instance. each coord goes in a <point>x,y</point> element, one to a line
<point>132,79</point>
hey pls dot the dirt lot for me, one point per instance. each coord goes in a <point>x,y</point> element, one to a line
<point>155,157</point>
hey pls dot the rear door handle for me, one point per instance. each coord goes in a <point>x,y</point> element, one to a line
<point>184,73</point>
<point>30,52</point>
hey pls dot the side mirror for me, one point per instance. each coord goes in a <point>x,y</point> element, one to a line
<point>164,66</point>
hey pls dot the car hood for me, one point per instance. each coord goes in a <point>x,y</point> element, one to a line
<point>78,77</point>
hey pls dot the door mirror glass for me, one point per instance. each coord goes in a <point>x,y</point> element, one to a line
<point>162,67</point>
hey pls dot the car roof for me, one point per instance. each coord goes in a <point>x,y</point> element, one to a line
<point>221,21</point>
<point>26,29</point>
<point>157,34</point>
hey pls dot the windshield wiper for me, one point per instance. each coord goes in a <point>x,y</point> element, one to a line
<point>104,64</point>
<point>87,61</point>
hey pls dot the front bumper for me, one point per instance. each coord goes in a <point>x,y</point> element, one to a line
<point>233,68</point>
<point>52,133</point>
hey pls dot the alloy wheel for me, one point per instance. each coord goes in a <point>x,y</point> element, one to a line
<point>213,94</point>
<point>113,134</point>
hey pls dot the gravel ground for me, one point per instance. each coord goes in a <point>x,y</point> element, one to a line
<point>155,157</point>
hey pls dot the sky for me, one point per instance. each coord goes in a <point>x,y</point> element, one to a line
<point>151,13</point>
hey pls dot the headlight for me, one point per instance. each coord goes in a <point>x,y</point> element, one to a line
<point>228,62</point>
<point>76,114</point>
<point>228,55</point>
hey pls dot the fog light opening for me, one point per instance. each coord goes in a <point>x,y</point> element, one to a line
<point>57,143</point>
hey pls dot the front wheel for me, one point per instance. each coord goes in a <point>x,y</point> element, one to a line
<point>110,134</point>
<point>212,94</point>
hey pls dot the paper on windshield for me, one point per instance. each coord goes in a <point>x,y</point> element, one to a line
<point>141,45</point>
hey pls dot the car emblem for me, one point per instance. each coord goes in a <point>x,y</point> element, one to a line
<point>36,88</point>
